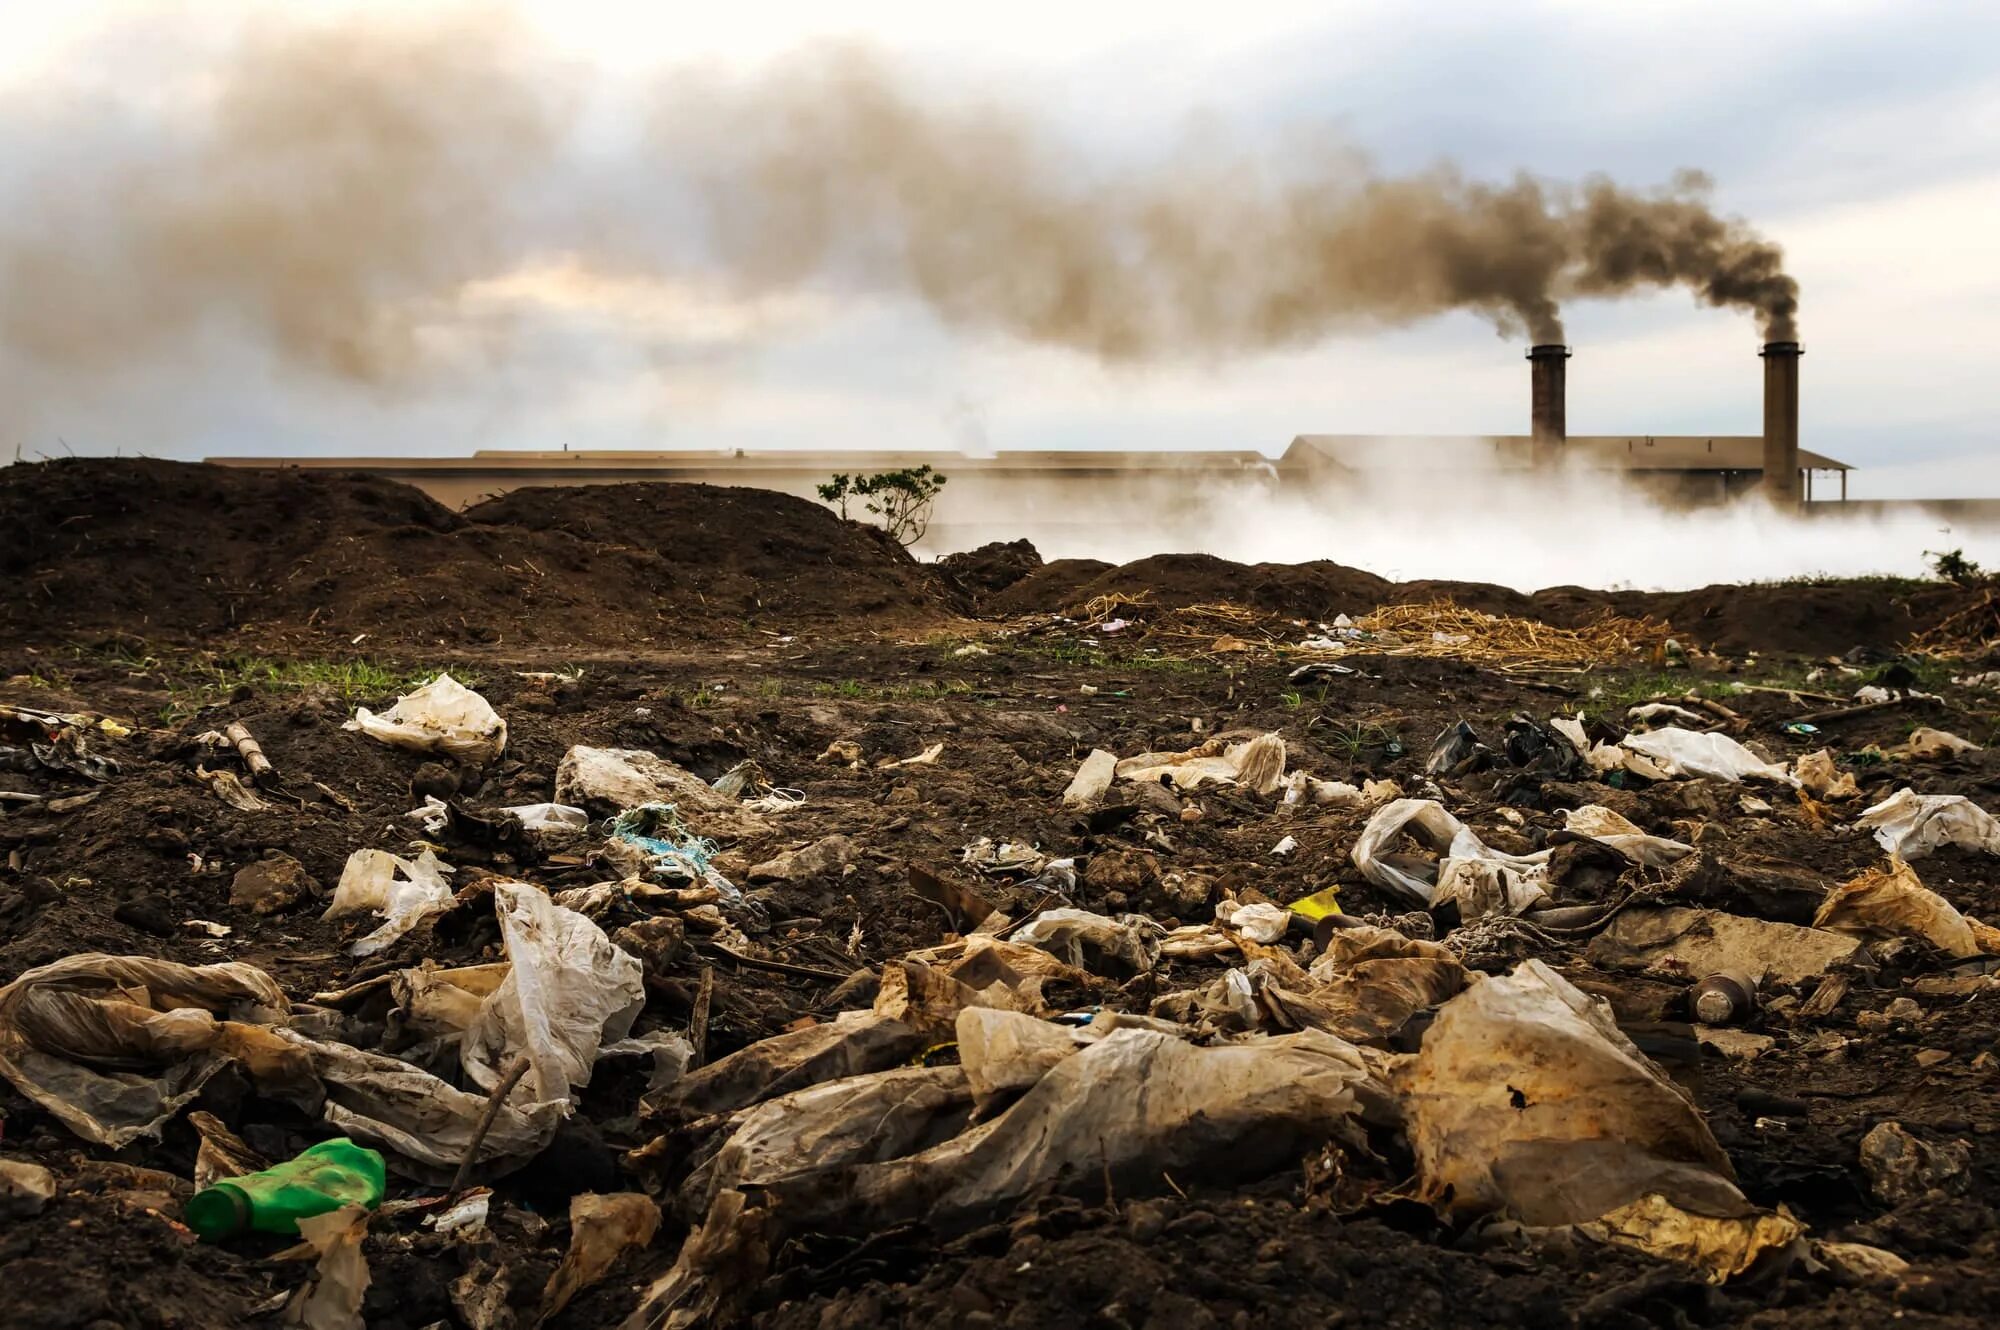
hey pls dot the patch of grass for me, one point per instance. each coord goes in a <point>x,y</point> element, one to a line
<point>921,691</point>
<point>1894,584</point>
<point>1354,740</point>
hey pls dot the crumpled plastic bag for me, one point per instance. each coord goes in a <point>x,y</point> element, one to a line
<point>851,1044</point>
<point>1257,765</point>
<point>114,1046</point>
<point>550,817</point>
<point>1261,922</point>
<point>1896,903</point>
<point>1621,834</point>
<point>568,991</point>
<point>1426,822</point>
<point>1696,753</point>
<point>331,1299</point>
<point>1819,777</point>
<point>1692,943</point>
<point>1526,1098</point>
<point>1092,779</point>
<point>601,1229</point>
<point>1131,1107</point>
<point>1926,744</point>
<point>607,781</point>
<point>1480,887</point>
<point>1007,1051</point>
<point>442,716</point>
<point>405,892</point>
<point>1910,825</point>
<point>1124,946</point>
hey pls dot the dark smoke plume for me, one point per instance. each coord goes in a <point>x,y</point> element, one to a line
<point>339,192</point>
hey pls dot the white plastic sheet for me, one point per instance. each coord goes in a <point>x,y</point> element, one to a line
<point>1693,753</point>
<point>1910,825</point>
<point>1127,945</point>
<point>405,892</point>
<point>1258,765</point>
<point>443,716</point>
<point>1092,779</point>
<point>569,990</point>
<point>1603,825</point>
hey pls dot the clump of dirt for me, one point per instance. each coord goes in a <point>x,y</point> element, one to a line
<point>992,567</point>
<point>182,552</point>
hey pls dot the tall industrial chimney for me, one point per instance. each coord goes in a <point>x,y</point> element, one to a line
<point>1781,421</point>
<point>1548,414</point>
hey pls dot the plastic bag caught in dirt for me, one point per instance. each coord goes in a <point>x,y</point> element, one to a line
<point>1258,765</point>
<point>1129,1108</point>
<point>331,1299</point>
<point>569,990</point>
<point>1426,822</point>
<point>852,1044</point>
<point>405,892</point>
<point>443,716</point>
<point>1124,946</point>
<point>1819,777</point>
<point>1007,1051</point>
<point>1482,887</point>
<point>1526,1098</point>
<point>607,781</point>
<point>1926,744</point>
<point>1692,943</point>
<point>652,840</point>
<point>1910,825</point>
<point>601,1229</point>
<point>1092,779</point>
<point>1621,834</point>
<point>1895,903</point>
<point>113,1046</point>
<point>1695,753</point>
<point>550,817</point>
<point>1455,749</point>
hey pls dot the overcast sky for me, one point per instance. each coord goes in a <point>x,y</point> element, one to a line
<point>1865,138</point>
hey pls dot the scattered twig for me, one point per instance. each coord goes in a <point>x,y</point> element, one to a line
<point>493,1102</point>
<point>1844,713</point>
<point>776,967</point>
<point>704,996</point>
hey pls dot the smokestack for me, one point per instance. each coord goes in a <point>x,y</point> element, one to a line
<point>1548,412</point>
<point>1781,421</point>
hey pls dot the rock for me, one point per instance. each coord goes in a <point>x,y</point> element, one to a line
<point>657,942</point>
<point>433,780</point>
<point>24,1188</point>
<point>1902,1168</point>
<point>1858,1263</point>
<point>819,859</point>
<point>150,913</point>
<point>273,883</point>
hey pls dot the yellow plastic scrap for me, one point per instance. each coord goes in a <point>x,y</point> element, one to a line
<point>1318,905</point>
<point>1722,1248</point>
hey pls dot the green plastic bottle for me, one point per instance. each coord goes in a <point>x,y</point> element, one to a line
<point>322,1179</point>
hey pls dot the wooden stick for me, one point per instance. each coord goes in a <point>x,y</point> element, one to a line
<point>776,967</point>
<point>498,1097</point>
<point>704,996</point>
<point>1842,713</point>
<point>251,751</point>
<point>1786,692</point>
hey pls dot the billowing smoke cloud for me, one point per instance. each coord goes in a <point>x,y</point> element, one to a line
<point>333,196</point>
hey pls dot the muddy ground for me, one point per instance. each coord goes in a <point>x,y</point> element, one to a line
<point>774,634</point>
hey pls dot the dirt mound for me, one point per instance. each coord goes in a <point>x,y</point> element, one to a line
<point>179,551</point>
<point>733,546</point>
<point>1796,619</point>
<point>992,567</point>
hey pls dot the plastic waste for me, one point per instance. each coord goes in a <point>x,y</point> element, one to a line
<point>1131,1107</point>
<point>1689,943</point>
<point>601,1229</point>
<point>1910,825</point>
<point>1092,779</point>
<point>442,716</point>
<point>405,892</point>
<point>1692,753</point>
<point>1259,922</point>
<point>331,1299</point>
<point>1926,744</point>
<point>320,1179</point>
<point>1456,749</point>
<point>1652,711</point>
<point>1621,834</point>
<point>1581,1128</point>
<point>608,781</point>
<point>1819,777</point>
<point>666,847</point>
<point>569,991</point>
<point>1426,822</point>
<point>1482,887</point>
<point>1125,946</point>
<point>1258,764</point>
<point>550,817</point>
<point>1894,902</point>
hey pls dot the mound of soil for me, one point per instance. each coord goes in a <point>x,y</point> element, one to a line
<point>992,567</point>
<point>180,552</point>
<point>733,546</point>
